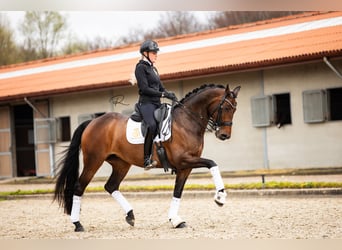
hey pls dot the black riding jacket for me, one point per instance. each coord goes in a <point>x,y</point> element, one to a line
<point>149,84</point>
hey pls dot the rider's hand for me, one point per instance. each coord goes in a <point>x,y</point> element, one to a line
<point>170,95</point>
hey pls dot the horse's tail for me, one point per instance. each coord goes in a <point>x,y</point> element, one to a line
<point>68,170</point>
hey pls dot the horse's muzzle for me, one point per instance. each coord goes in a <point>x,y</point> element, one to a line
<point>223,136</point>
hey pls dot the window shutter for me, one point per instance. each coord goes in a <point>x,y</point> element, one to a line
<point>262,111</point>
<point>314,106</point>
<point>45,130</point>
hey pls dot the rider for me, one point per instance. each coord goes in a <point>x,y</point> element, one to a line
<point>151,89</point>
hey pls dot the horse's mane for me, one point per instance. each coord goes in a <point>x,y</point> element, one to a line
<point>200,89</point>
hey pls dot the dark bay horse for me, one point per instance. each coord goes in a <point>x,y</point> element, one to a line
<point>104,139</point>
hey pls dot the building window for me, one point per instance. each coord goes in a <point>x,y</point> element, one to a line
<point>335,104</point>
<point>65,132</point>
<point>271,110</point>
<point>322,105</point>
<point>86,117</point>
<point>282,109</point>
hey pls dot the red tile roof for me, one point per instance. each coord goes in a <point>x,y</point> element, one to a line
<point>269,43</point>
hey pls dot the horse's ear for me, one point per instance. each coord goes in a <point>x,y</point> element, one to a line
<point>236,91</point>
<point>227,88</point>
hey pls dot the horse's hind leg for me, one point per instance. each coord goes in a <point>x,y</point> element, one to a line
<point>91,165</point>
<point>182,176</point>
<point>120,170</point>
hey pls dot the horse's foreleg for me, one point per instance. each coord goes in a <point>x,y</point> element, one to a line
<point>220,195</point>
<point>120,170</point>
<point>174,218</point>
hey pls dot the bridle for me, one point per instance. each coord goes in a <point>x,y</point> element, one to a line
<point>212,124</point>
<point>217,123</point>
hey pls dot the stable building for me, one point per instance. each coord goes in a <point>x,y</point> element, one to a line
<point>289,112</point>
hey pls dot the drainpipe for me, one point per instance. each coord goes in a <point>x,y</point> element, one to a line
<point>327,62</point>
<point>264,129</point>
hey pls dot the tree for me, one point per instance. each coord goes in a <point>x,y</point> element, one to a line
<point>8,48</point>
<point>171,23</point>
<point>77,46</point>
<point>73,47</point>
<point>134,35</point>
<point>227,18</point>
<point>43,31</point>
<point>99,43</point>
<point>174,23</point>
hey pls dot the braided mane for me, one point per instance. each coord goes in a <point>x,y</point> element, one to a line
<point>200,89</point>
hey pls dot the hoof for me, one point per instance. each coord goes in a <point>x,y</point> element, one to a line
<point>177,222</point>
<point>219,204</point>
<point>220,198</point>
<point>78,227</point>
<point>130,218</point>
<point>182,225</point>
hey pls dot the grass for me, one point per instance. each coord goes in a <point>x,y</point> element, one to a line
<point>194,187</point>
<point>154,188</point>
<point>26,192</point>
<point>240,173</point>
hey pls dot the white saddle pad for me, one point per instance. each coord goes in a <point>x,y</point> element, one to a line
<point>134,135</point>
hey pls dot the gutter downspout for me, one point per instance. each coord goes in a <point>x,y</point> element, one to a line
<point>327,62</point>
<point>264,129</point>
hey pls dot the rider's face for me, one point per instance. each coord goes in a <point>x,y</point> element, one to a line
<point>153,56</point>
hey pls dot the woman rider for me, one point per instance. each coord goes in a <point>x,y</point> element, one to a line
<point>151,90</point>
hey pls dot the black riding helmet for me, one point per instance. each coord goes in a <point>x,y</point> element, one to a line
<point>149,46</point>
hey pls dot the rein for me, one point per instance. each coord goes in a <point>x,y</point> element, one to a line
<point>193,114</point>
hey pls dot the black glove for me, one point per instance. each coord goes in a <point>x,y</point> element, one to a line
<point>170,95</point>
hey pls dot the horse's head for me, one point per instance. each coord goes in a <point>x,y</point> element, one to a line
<point>222,113</point>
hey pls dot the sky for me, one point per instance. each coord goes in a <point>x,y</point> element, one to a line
<point>86,25</point>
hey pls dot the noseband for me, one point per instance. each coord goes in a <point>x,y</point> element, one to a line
<point>217,123</point>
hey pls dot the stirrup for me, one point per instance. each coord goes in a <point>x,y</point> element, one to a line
<point>149,163</point>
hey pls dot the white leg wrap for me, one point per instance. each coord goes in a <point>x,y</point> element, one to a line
<point>215,172</point>
<point>174,207</point>
<point>220,197</point>
<point>175,220</point>
<point>76,208</point>
<point>122,201</point>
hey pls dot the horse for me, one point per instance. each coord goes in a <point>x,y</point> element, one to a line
<point>104,139</point>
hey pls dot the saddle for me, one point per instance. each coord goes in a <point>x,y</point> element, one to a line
<point>136,130</point>
<point>160,114</point>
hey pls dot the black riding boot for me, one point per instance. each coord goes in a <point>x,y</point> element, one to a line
<point>148,163</point>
